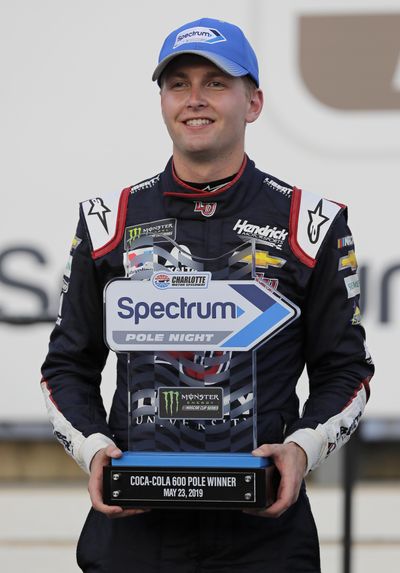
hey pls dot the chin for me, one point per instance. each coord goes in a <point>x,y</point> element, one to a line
<point>201,154</point>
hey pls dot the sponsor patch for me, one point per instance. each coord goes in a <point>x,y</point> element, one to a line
<point>138,261</point>
<point>271,236</point>
<point>272,284</point>
<point>206,209</point>
<point>345,242</point>
<point>156,229</point>
<point>316,220</point>
<point>264,260</point>
<point>356,318</point>
<point>198,34</point>
<point>148,184</point>
<point>287,191</point>
<point>352,284</point>
<point>214,187</point>
<point>99,208</point>
<point>190,403</point>
<point>164,280</point>
<point>76,241</point>
<point>312,218</point>
<point>368,356</point>
<point>349,261</point>
<point>101,218</point>
<point>64,441</point>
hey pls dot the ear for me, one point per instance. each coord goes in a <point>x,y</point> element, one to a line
<point>256,103</point>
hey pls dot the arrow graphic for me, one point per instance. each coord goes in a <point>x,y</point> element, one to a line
<point>273,315</point>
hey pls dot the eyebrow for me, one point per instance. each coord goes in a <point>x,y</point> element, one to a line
<point>208,75</point>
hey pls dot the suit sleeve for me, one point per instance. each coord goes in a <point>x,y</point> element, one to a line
<point>77,354</point>
<point>338,362</point>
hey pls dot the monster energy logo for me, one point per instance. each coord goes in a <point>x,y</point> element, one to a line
<point>171,402</point>
<point>190,403</point>
<point>156,229</point>
<point>133,234</point>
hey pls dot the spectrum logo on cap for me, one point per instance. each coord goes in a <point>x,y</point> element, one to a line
<point>222,43</point>
<point>198,34</point>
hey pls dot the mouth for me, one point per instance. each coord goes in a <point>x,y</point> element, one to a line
<point>198,122</point>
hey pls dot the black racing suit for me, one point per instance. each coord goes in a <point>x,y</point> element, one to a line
<point>306,252</point>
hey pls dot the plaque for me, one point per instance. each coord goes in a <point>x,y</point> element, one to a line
<point>191,328</point>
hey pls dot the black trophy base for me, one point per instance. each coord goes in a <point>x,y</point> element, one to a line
<point>190,487</point>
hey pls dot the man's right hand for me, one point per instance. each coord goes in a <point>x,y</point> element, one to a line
<point>95,487</point>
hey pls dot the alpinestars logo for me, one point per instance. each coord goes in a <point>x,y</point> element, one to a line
<point>317,219</point>
<point>98,208</point>
<point>206,209</point>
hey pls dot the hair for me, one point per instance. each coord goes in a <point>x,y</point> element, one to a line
<point>250,85</point>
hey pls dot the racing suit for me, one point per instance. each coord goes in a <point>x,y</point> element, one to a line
<point>305,251</point>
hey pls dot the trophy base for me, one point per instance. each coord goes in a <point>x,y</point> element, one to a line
<point>189,480</point>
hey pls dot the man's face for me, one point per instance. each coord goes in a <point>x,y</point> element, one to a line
<point>206,110</point>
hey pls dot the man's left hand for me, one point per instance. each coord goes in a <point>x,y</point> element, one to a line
<point>291,462</point>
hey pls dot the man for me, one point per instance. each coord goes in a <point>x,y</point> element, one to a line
<point>211,198</point>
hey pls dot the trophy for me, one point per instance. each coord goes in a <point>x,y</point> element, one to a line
<point>191,328</point>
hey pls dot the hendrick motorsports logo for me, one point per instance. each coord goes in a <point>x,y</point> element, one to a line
<point>271,236</point>
<point>164,280</point>
<point>199,34</point>
<point>190,403</point>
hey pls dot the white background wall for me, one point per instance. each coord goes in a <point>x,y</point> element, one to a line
<point>79,116</point>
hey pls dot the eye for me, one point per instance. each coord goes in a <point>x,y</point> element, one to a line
<point>177,84</point>
<point>216,84</point>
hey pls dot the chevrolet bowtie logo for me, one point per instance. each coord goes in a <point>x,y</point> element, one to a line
<point>349,261</point>
<point>265,260</point>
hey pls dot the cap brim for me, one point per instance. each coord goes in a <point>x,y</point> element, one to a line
<point>229,67</point>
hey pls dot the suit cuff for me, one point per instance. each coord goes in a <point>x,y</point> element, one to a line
<point>90,446</point>
<point>313,443</point>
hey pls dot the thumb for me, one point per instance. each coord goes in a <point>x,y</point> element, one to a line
<point>113,452</point>
<point>264,451</point>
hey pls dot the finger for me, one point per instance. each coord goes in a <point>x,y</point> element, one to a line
<point>95,486</point>
<point>275,510</point>
<point>129,513</point>
<point>286,495</point>
<point>109,510</point>
<point>113,452</point>
<point>265,451</point>
<point>97,503</point>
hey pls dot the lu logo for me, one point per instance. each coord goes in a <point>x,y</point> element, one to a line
<point>206,209</point>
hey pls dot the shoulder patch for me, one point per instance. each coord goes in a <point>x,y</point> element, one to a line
<point>146,184</point>
<point>105,217</point>
<point>311,217</point>
<point>278,185</point>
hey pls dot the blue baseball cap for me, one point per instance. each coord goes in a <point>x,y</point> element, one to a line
<point>222,43</point>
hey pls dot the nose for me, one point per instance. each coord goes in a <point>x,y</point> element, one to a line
<point>196,98</point>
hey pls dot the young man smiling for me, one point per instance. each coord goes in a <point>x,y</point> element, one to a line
<point>209,200</point>
<point>206,112</point>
